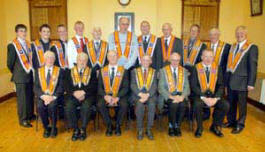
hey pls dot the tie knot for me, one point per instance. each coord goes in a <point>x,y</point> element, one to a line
<point>112,68</point>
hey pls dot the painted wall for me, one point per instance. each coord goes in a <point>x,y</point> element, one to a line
<point>101,13</point>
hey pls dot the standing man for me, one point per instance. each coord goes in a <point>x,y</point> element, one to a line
<point>144,88</point>
<point>147,44</point>
<point>39,47</point>
<point>174,88</point>
<point>60,47</point>
<point>48,87</point>
<point>19,62</point>
<point>97,50</point>
<point>125,43</point>
<point>242,72</point>
<point>77,44</point>
<point>220,48</point>
<point>166,45</point>
<point>80,83</point>
<point>193,48</point>
<point>113,86</point>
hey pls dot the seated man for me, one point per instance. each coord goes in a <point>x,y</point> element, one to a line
<point>80,83</point>
<point>208,88</point>
<point>48,87</point>
<point>144,88</point>
<point>113,86</point>
<point>174,88</point>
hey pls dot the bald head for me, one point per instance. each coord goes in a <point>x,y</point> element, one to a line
<point>124,24</point>
<point>174,59</point>
<point>167,29</point>
<point>145,27</point>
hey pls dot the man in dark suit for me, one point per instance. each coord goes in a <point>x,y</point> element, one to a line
<point>144,88</point>
<point>166,45</point>
<point>147,44</point>
<point>97,50</point>
<point>19,62</point>
<point>113,86</point>
<point>208,87</point>
<point>241,78</point>
<point>80,83</point>
<point>220,49</point>
<point>174,88</point>
<point>48,87</point>
<point>39,47</point>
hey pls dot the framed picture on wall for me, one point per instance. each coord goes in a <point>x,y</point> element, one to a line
<point>129,15</point>
<point>256,7</point>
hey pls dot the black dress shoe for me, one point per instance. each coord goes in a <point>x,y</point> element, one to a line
<point>216,131</point>
<point>171,132</point>
<point>33,117</point>
<point>83,134</point>
<point>25,124</point>
<point>140,134</point>
<point>118,130</point>
<point>237,130</point>
<point>149,134</point>
<point>198,133</point>
<point>47,132</point>
<point>75,135</point>
<point>109,131</point>
<point>228,125</point>
<point>177,132</point>
<point>54,132</point>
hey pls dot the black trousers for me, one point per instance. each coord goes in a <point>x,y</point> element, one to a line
<point>71,111</point>
<point>176,112</point>
<point>120,110</point>
<point>25,104</point>
<point>237,98</point>
<point>220,110</point>
<point>46,112</point>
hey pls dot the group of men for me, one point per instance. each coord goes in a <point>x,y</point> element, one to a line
<point>129,71</point>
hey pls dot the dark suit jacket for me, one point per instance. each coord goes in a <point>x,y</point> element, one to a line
<point>53,49</point>
<point>246,72</point>
<point>196,89</point>
<point>89,88</point>
<point>59,90</point>
<point>124,86</point>
<point>177,47</point>
<point>224,57</point>
<point>35,61</point>
<point>135,90</point>
<point>19,75</point>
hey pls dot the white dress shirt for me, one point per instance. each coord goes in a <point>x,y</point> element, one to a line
<point>147,37</point>
<point>72,52</point>
<point>47,69</point>
<point>115,69</point>
<point>214,47</point>
<point>168,40</point>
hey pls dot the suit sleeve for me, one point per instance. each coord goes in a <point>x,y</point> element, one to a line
<point>11,57</point>
<point>195,83</point>
<point>252,65</point>
<point>34,57</point>
<point>60,89</point>
<point>68,82</point>
<point>90,91</point>
<point>37,87</point>
<point>53,49</point>
<point>161,85</point>
<point>101,91</point>
<point>186,89</point>
<point>133,83</point>
<point>220,84</point>
<point>153,89</point>
<point>124,88</point>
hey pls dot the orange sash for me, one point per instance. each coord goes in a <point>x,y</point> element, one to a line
<point>114,89</point>
<point>190,60</point>
<point>218,52</point>
<point>61,56</point>
<point>77,79</point>
<point>203,79</point>
<point>48,89</point>
<point>172,86</point>
<point>127,46</point>
<point>39,52</point>
<point>141,83</point>
<point>92,53</point>
<point>167,53</point>
<point>233,61</point>
<point>77,45</point>
<point>25,61</point>
<point>150,47</point>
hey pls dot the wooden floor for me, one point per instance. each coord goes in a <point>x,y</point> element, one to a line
<point>14,138</point>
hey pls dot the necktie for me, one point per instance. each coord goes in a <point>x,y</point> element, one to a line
<point>190,46</point>
<point>145,75</point>
<point>166,44</point>
<point>48,77</point>
<point>82,44</point>
<point>97,49</point>
<point>112,75</point>
<point>237,49</point>
<point>145,43</point>
<point>175,75</point>
<point>207,74</point>
<point>81,73</point>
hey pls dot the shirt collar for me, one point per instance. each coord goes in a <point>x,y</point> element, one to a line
<point>147,36</point>
<point>215,44</point>
<point>50,68</point>
<point>242,43</point>
<point>144,68</point>
<point>205,66</point>
<point>21,40</point>
<point>79,37</point>
<point>172,68</point>
<point>96,41</point>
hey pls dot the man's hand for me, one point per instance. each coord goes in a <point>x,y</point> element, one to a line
<point>79,94</point>
<point>108,99</point>
<point>47,99</point>
<point>144,97</point>
<point>115,100</point>
<point>250,88</point>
